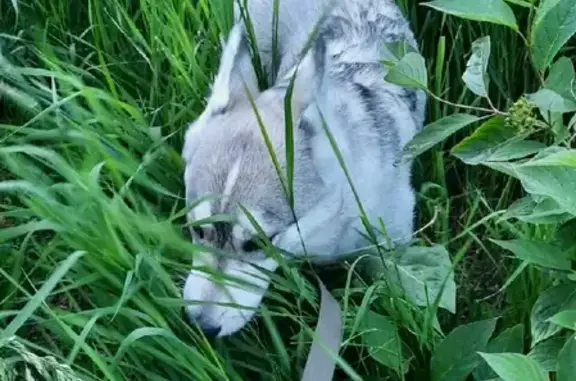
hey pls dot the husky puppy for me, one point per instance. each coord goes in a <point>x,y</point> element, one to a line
<point>339,85</point>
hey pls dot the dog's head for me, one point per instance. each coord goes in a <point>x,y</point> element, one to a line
<point>226,156</point>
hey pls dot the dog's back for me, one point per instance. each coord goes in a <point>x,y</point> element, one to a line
<point>371,120</point>
<point>353,39</point>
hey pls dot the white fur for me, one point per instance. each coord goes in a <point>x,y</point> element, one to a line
<point>215,300</point>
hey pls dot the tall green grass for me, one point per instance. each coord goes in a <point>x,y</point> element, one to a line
<point>94,99</point>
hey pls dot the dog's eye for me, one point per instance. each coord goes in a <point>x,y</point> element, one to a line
<point>198,231</point>
<point>255,244</point>
<point>251,245</point>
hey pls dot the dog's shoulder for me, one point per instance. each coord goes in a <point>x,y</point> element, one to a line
<point>349,52</point>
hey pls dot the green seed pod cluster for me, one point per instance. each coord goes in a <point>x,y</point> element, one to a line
<point>521,116</point>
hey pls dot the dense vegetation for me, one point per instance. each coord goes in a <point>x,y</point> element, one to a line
<point>94,98</point>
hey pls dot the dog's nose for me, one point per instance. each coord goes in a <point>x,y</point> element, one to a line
<point>210,331</point>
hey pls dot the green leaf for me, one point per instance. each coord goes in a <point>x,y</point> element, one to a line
<point>504,167</point>
<point>572,122</point>
<point>557,95</point>
<point>522,3</point>
<point>421,272</point>
<point>494,141</point>
<point>513,149</point>
<point>8,233</point>
<point>545,353</point>
<point>41,295</point>
<point>566,319</point>
<point>511,340</point>
<point>553,26</point>
<point>437,132</point>
<point>567,361</point>
<point>561,78</point>
<point>549,151</point>
<point>410,71</point>
<point>456,356</point>
<point>565,236</point>
<point>537,211</point>
<point>141,333</point>
<point>383,341</point>
<point>559,158</point>
<point>395,50</point>
<point>537,252</point>
<point>494,11</point>
<point>515,367</point>
<point>544,6</point>
<point>550,302</point>
<point>552,175</point>
<point>549,100</point>
<point>476,75</point>
<point>557,126</point>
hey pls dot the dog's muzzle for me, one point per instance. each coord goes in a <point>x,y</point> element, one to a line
<point>210,330</point>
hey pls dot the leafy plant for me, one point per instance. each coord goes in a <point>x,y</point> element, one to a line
<point>546,172</point>
<point>94,97</point>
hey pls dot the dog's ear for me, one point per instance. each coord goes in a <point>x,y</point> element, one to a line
<point>236,73</point>
<point>307,76</point>
<point>305,80</point>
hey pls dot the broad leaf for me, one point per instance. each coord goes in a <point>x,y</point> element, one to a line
<point>410,71</point>
<point>559,158</point>
<point>544,6</point>
<point>383,341</point>
<point>537,252</point>
<point>545,353</point>
<point>565,236</point>
<point>567,361</point>
<point>395,50</point>
<point>553,175</point>
<point>457,355</point>
<point>515,367</point>
<point>557,126</point>
<point>537,211</point>
<point>420,272</point>
<point>437,132</point>
<point>566,319</point>
<point>513,149</point>
<point>557,96</point>
<point>494,11</point>
<point>561,78</point>
<point>548,152</point>
<point>511,340</point>
<point>476,75</point>
<point>494,141</point>
<point>522,3</point>
<point>504,167</point>
<point>549,100</point>
<point>550,302</point>
<point>553,27</point>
